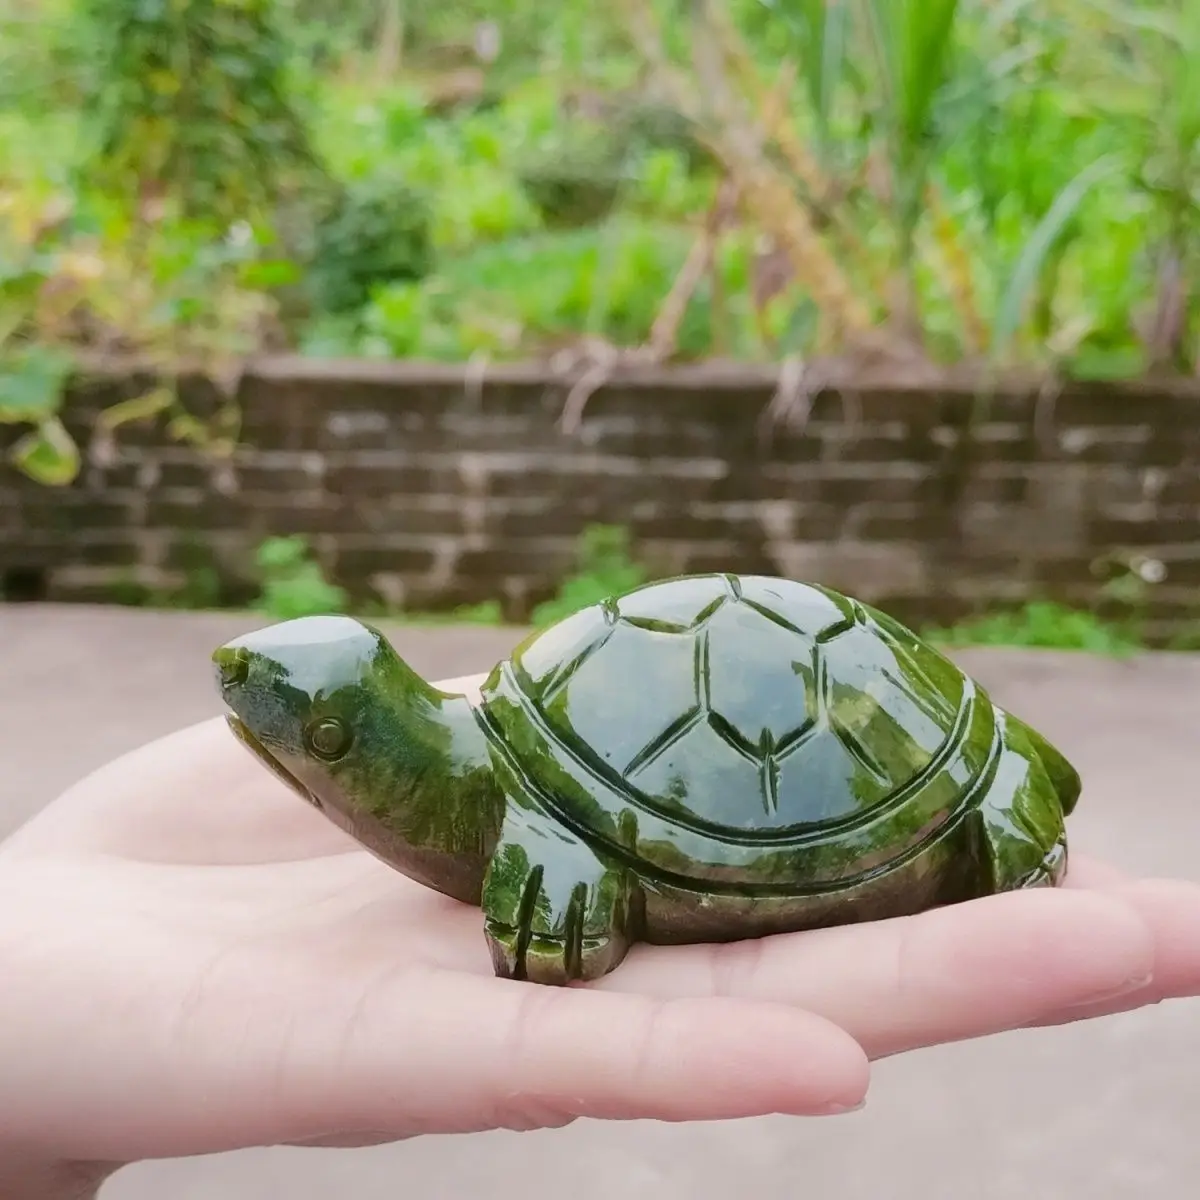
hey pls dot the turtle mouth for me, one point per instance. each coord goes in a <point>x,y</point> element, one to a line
<point>242,732</point>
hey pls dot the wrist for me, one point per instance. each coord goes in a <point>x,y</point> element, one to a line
<point>22,1178</point>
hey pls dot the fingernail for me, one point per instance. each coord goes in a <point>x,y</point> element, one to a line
<point>836,1110</point>
<point>1130,985</point>
<point>1138,981</point>
<point>1133,984</point>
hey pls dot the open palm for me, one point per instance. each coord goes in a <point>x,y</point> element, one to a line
<point>206,963</point>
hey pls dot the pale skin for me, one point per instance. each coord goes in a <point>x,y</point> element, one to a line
<point>204,963</point>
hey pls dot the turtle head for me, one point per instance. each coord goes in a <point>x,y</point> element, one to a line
<point>327,705</point>
<point>300,696</point>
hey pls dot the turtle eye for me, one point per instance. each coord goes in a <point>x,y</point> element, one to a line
<point>328,738</point>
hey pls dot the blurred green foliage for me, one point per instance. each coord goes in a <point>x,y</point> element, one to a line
<point>379,232</point>
<point>1016,181</point>
<point>1045,625</point>
<point>605,568</point>
<point>191,102</point>
<point>293,582</point>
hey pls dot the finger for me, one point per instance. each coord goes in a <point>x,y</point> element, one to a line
<point>963,971</point>
<point>1170,909</point>
<point>470,1053</point>
<point>1085,872</point>
<point>434,1052</point>
<point>194,796</point>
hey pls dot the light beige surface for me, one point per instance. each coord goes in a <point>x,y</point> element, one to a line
<point>1104,1111</point>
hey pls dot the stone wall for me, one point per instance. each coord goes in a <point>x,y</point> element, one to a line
<point>428,487</point>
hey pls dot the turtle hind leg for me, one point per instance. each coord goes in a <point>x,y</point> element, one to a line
<point>1018,831</point>
<point>1062,774</point>
<point>554,911</point>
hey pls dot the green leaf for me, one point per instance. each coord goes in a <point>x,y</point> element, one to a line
<point>1033,257</point>
<point>913,43</point>
<point>1104,363</point>
<point>267,275</point>
<point>48,454</point>
<point>32,381</point>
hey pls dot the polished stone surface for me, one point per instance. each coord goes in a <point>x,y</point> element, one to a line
<point>1102,1111</point>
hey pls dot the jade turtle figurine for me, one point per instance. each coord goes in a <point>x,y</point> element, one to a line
<point>707,758</point>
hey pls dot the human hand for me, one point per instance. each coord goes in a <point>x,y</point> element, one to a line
<point>206,963</point>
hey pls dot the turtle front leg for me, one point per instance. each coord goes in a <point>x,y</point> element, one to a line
<point>554,911</point>
<point>1019,829</point>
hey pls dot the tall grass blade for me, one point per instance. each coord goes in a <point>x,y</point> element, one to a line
<point>1033,257</point>
<point>913,44</point>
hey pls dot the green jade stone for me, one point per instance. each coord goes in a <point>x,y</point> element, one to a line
<point>703,759</point>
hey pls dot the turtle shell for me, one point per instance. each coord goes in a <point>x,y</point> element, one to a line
<point>716,726</point>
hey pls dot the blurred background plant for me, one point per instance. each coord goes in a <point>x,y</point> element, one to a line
<point>973,182</point>
<point>605,566</point>
<point>293,583</point>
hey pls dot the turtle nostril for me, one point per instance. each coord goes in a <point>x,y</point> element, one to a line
<point>233,666</point>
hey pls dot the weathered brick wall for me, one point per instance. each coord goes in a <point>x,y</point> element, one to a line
<point>419,487</point>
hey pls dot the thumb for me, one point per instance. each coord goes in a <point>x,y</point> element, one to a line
<point>440,1052</point>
